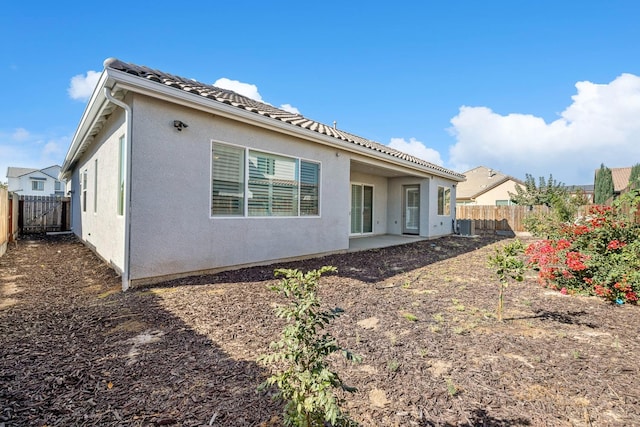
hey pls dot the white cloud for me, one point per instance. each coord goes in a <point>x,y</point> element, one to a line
<point>51,148</point>
<point>250,91</point>
<point>600,126</point>
<point>290,108</point>
<point>82,86</point>
<point>27,149</point>
<point>20,134</point>
<point>417,149</point>
<point>246,89</point>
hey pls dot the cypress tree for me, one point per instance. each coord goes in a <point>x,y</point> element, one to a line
<point>634,178</point>
<point>603,185</point>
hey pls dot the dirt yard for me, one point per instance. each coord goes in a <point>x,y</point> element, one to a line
<point>74,350</point>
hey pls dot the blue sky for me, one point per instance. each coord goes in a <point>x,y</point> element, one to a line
<point>539,87</point>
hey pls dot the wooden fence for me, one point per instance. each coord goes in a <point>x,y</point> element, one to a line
<point>40,214</point>
<point>627,207</point>
<point>498,219</point>
<point>4,220</point>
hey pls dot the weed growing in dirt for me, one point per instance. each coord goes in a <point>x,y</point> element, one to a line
<point>306,384</point>
<point>451,388</point>
<point>457,305</point>
<point>508,266</point>
<point>410,316</point>
<point>393,365</point>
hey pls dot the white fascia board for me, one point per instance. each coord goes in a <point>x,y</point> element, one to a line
<point>152,89</point>
<point>94,107</point>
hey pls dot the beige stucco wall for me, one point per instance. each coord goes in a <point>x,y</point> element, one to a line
<point>171,227</point>
<point>101,228</point>
<point>501,192</point>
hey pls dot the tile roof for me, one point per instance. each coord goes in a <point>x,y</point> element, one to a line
<point>234,99</point>
<point>620,178</point>
<point>479,181</point>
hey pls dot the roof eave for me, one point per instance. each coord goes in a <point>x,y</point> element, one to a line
<point>128,82</point>
<point>120,80</point>
<point>94,108</point>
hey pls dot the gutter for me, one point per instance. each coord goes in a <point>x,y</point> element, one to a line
<point>178,96</point>
<point>126,276</point>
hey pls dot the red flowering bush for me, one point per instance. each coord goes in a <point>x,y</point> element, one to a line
<point>598,254</point>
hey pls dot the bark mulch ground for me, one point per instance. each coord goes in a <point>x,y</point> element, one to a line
<point>74,350</point>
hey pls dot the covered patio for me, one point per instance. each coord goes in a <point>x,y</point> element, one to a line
<point>381,241</point>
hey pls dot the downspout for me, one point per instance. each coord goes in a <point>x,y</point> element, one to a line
<point>126,276</point>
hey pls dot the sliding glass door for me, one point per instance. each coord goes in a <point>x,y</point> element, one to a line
<point>361,209</point>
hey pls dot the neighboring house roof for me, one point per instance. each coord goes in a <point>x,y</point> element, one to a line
<point>18,172</point>
<point>620,178</point>
<point>148,77</point>
<point>479,181</point>
<point>589,188</point>
<point>13,172</point>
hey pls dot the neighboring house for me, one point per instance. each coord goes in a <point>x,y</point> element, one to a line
<point>584,190</point>
<point>35,182</point>
<point>620,179</point>
<point>486,186</point>
<point>171,177</point>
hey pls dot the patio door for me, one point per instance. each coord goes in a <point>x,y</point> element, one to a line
<point>411,211</point>
<point>361,209</point>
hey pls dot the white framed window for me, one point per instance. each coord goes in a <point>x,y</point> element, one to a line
<point>95,186</point>
<point>258,184</point>
<point>309,188</point>
<point>121,171</point>
<point>58,186</point>
<point>273,185</point>
<point>444,200</point>
<point>84,190</point>
<point>37,185</point>
<point>227,180</point>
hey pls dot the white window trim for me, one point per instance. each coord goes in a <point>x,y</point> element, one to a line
<point>444,201</point>
<point>36,182</point>
<point>121,176</point>
<point>84,183</point>
<point>95,186</point>
<point>245,214</point>
<point>373,209</point>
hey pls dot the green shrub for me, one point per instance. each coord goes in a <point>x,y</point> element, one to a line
<point>304,381</point>
<point>508,266</point>
<point>598,254</point>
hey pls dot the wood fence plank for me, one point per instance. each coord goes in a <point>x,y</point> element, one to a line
<point>498,218</point>
<point>42,213</point>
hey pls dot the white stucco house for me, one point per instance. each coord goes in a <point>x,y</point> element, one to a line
<point>171,177</point>
<point>35,182</point>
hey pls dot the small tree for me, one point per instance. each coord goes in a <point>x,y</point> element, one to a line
<point>603,185</point>
<point>508,265</point>
<point>546,192</point>
<point>304,381</point>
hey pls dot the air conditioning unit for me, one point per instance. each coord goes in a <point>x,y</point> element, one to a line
<point>466,227</point>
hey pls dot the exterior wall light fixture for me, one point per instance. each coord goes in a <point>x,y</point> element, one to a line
<point>179,125</point>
